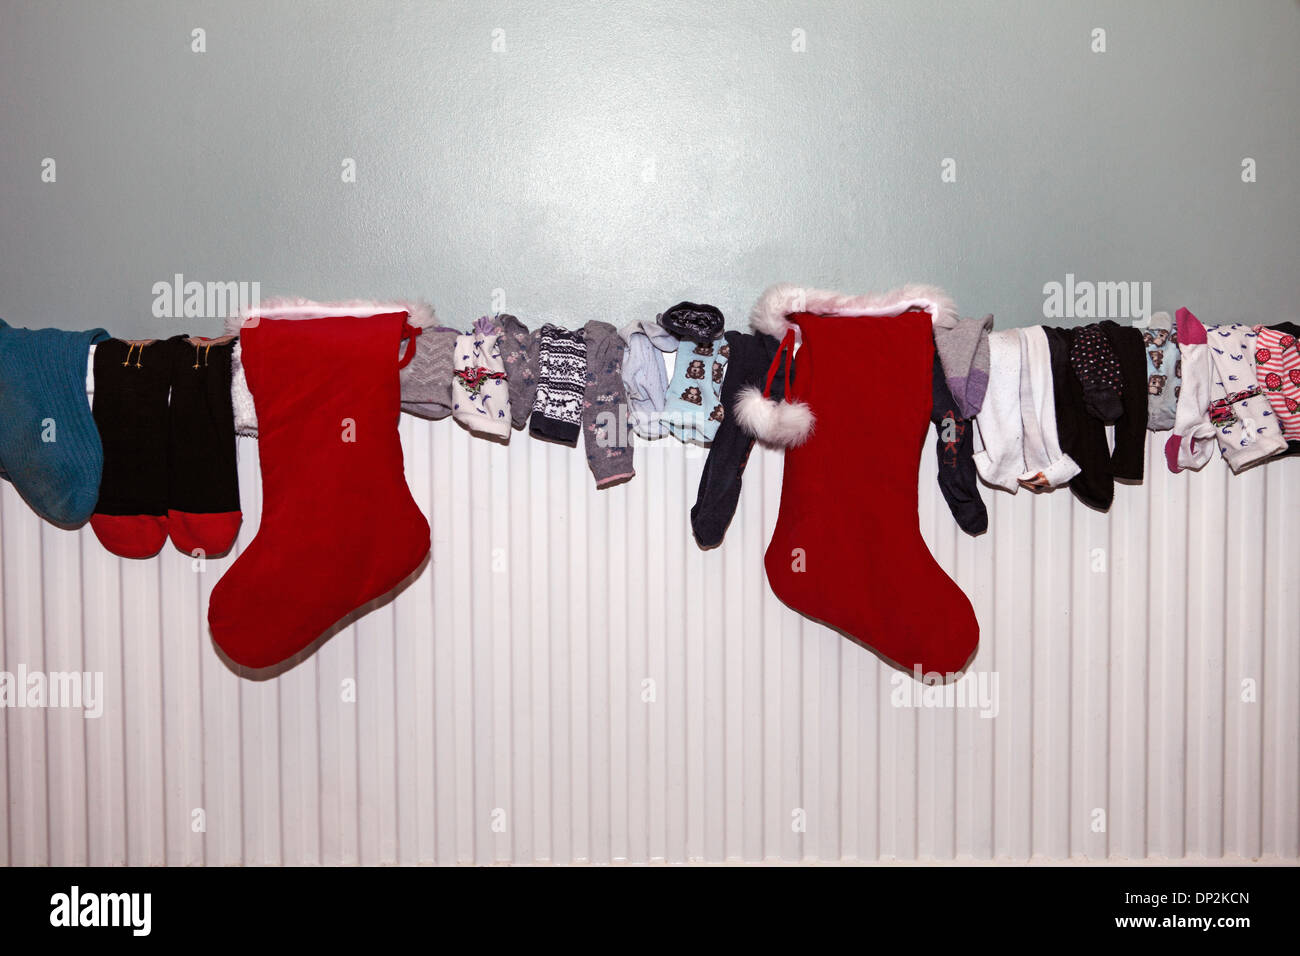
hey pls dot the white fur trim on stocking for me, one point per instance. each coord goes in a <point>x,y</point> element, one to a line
<point>771,311</point>
<point>784,423</point>
<point>241,399</point>
<point>419,314</point>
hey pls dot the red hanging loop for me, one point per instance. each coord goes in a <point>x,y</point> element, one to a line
<point>409,334</point>
<point>787,343</point>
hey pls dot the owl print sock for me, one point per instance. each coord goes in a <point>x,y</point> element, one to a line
<point>561,382</point>
<point>694,409</point>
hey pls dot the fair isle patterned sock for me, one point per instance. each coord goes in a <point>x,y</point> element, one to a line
<point>561,382</point>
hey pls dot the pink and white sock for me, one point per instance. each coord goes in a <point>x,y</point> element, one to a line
<point>1277,369</point>
<point>1192,443</point>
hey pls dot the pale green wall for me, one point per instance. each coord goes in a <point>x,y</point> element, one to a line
<point>524,170</point>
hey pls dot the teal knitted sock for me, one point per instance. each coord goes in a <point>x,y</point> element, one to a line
<point>49,445</point>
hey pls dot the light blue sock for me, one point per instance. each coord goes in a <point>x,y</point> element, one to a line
<point>694,410</point>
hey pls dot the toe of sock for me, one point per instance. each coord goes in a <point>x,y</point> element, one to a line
<point>209,534</point>
<point>130,536</point>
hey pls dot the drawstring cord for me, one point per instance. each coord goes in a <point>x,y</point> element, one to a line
<point>787,343</point>
<point>409,333</point>
<point>207,347</point>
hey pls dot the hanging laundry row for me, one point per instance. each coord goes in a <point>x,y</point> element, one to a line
<point>161,415</point>
<point>139,437</point>
<point>148,454</point>
<point>560,385</point>
<point>1040,399</point>
<point>1051,394</point>
<point>1250,375</point>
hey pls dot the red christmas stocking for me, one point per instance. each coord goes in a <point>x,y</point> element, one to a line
<point>339,526</point>
<point>847,549</point>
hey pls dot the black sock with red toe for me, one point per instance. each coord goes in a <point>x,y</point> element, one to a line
<point>130,409</point>
<point>203,491</point>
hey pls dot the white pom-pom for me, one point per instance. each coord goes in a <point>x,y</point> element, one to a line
<point>781,424</point>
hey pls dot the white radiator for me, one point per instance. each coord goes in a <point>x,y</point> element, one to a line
<point>1147,665</point>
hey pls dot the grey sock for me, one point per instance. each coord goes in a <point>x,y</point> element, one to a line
<point>963,347</point>
<point>604,429</point>
<point>645,376</point>
<point>519,353</point>
<point>426,381</point>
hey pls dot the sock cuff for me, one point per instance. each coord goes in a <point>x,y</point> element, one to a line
<point>1190,329</point>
